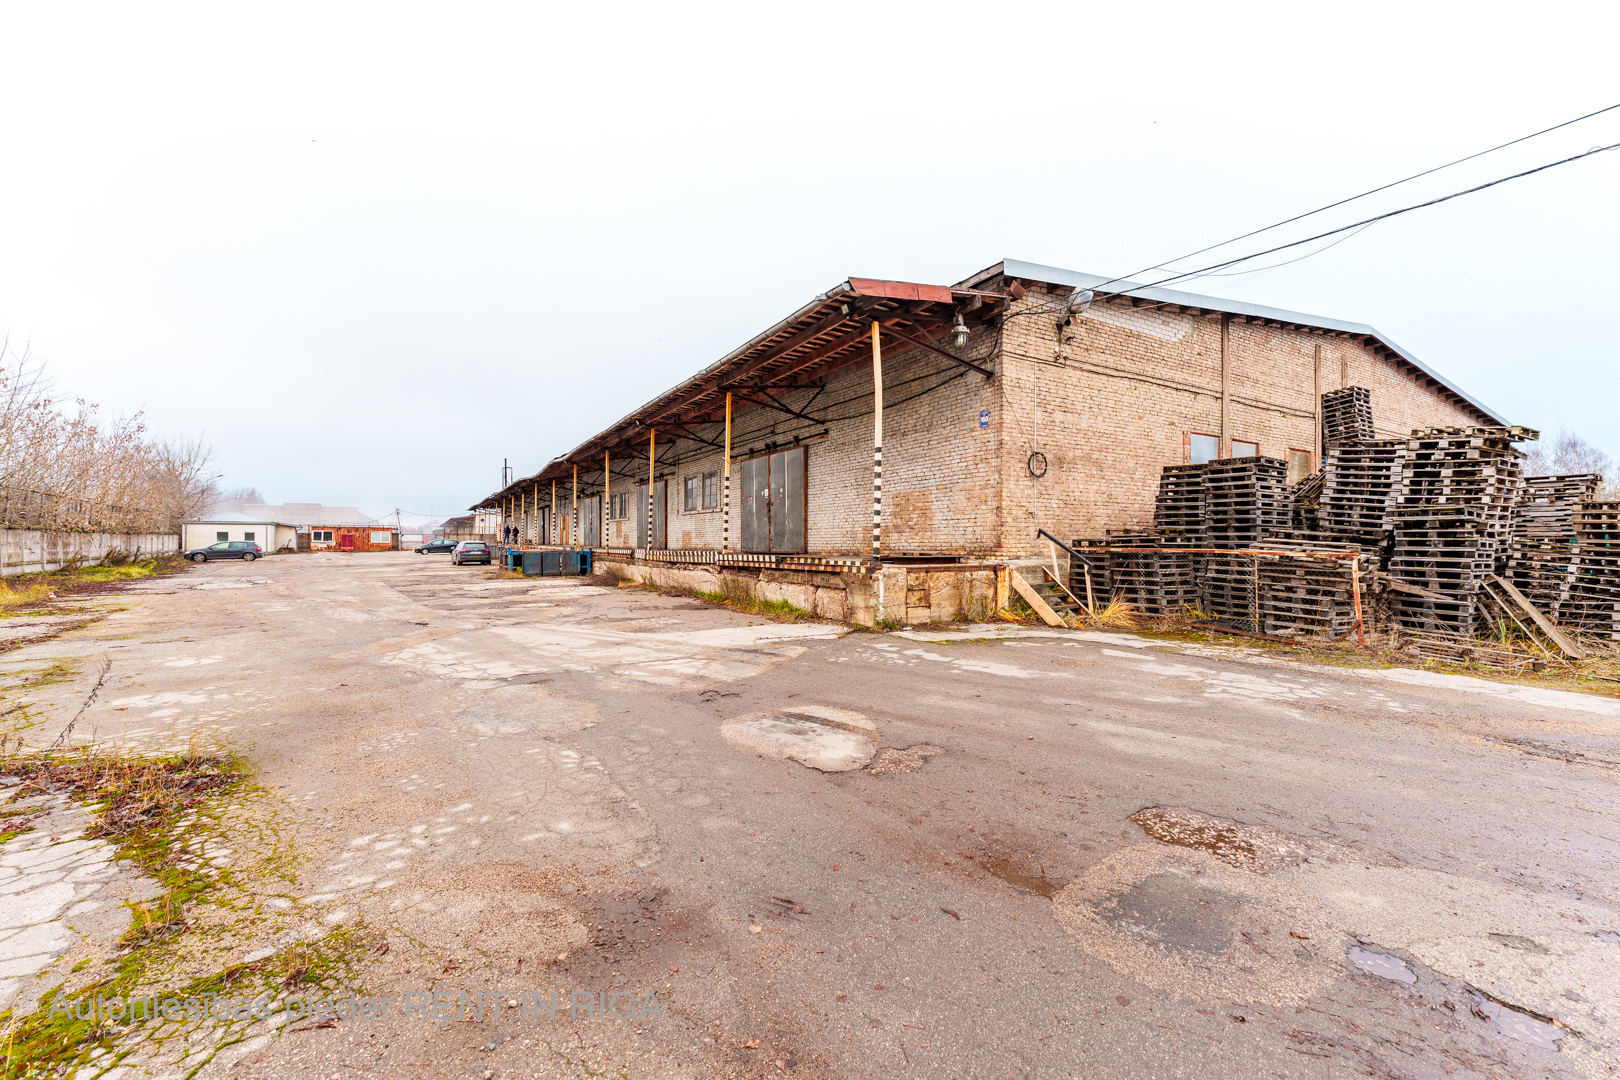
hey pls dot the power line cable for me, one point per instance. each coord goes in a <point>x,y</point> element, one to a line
<point>1353,198</point>
<point>1208,270</point>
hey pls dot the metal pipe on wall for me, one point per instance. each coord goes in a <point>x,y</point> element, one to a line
<point>1225,449</point>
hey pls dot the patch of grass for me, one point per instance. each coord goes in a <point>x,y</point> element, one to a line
<point>496,573</point>
<point>779,610</point>
<point>1116,614</point>
<point>161,813</point>
<point>24,594</point>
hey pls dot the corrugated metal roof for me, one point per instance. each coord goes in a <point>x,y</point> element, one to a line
<point>1058,276</point>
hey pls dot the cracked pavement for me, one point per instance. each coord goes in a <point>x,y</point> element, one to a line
<point>481,772</point>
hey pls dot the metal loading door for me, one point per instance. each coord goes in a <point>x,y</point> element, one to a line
<point>641,515</point>
<point>772,496</point>
<point>787,500</point>
<point>660,503</point>
<point>590,523</point>
<point>754,511</point>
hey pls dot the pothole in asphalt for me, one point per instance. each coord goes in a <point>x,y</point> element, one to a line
<point>890,760</point>
<point>818,737</point>
<point>1248,847</point>
<point>1383,965</point>
<point>1191,922</point>
<point>1523,944</point>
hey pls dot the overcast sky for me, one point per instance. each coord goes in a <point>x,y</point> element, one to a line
<point>370,251</point>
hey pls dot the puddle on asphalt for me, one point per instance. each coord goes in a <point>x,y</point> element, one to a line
<point>1609,936</point>
<point>1517,1025</point>
<point>1383,965</point>
<point>890,760</point>
<point>1014,874</point>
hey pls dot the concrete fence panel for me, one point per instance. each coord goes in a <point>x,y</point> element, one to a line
<point>27,551</point>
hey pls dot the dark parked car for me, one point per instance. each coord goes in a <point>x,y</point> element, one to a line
<point>246,550</point>
<point>435,547</point>
<point>471,551</point>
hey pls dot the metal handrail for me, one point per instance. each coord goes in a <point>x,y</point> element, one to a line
<point>1072,553</point>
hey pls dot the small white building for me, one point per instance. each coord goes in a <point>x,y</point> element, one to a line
<point>271,536</point>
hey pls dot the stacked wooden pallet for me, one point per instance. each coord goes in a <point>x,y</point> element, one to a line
<point>1178,512</point>
<point>1473,467</point>
<point>1544,556</point>
<point>1245,499</point>
<point>1594,597</point>
<point>1546,509</point>
<point>1301,595</point>
<point>1157,583</point>
<point>1101,586</point>
<point>1445,550</point>
<point>1226,589</point>
<point>1361,484</point>
<point>1306,499</point>
<point>1347,417</point>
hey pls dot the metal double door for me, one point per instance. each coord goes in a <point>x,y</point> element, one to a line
<point>660,536</point>
<point>772,494</point>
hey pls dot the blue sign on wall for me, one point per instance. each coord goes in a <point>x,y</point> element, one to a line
<point>984,418</point>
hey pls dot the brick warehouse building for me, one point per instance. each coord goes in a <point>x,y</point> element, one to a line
<point>996,421</point>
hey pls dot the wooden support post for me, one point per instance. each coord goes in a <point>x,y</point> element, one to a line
<point>725,498</point>
<point>1225,449</point>
<point>877,441</point>
<point>538,536</point>
<point>573,516</point>
<point>652,482</point>
<point>605,514</point>
<point>552,532</point>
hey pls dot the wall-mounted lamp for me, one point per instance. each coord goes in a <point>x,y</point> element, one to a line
<point>959,332</point>
<point>1079,300</point>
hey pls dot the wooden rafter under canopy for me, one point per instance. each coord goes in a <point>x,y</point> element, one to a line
<point>830,333</point>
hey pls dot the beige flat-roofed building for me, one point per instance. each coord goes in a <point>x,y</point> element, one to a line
<point>271,536</point>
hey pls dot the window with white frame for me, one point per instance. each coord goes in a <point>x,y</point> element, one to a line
<point>321,536</point>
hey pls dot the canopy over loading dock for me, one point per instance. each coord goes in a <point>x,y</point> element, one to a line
<point>1013,400</point>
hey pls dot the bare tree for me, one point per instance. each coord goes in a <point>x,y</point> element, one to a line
<point>67,467</point>
<point>237,498</point>
<point>1567,454</point>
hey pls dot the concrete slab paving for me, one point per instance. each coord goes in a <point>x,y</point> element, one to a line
<point>536,786</point>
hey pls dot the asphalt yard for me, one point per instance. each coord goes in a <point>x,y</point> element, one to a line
<point>507,807</point>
